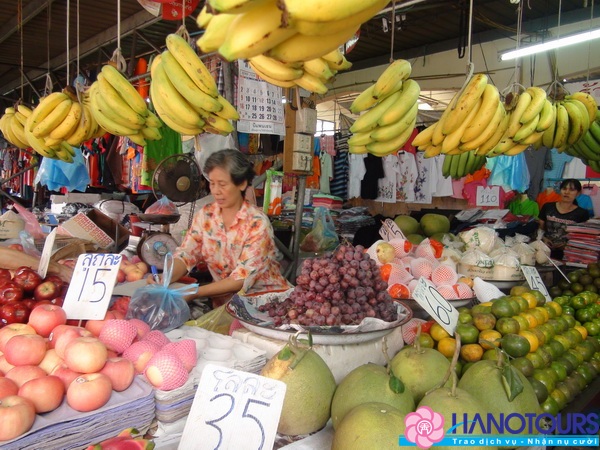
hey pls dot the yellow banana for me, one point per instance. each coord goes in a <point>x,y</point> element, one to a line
<point>335,56</point>
<point>311,84</point>
<point>13,134</point>
<point>68,148</point>
<point>25,110</point>
<point>409,95</point>
<point>192,64</point>
<point>487,132</point>
<point>358,149</point>
<point>38,144</point>
<point>526,129</point>
<point>204,17</point>
<point>487,111</point>
<point>534,138</point>
<point>138,138</point>
<point>547,116</point>
<point>152,120</point>
<point>363,138</point>
<point>452,140</point>
<point>431,151</point>
<point>319,68</point>
<point>22,119</point>
<point>184,84</point>
<point>516,149</point>
<point>588,101</point>
<point>388,132</point>
<point>268,79</point>
<point>383,148</point>
<point>224,126</point>
<point>548,136</point>
<point>515,114</point>
<point>18,130</point>
<point>364,100</point>
<point>227,111</point>
<point>577,121</point>
<point>424,137</point>
<point>233,6</point>
<point>368,120</point>
<point>466,101</point>
<point>438,134</point>
<point>344,65</point>
<point>111,99</point>
<point>69,124</point>
<point>562,127</point>
<point>399,70</point>
<point>276,69</point>
<point>108,124</point>
<point>45,107</point>
<point>538,99</point>
<point>83,128</point>
<point>151,133</point>
<point>125,89</point>
<point>216,32</point>
<point>52,120</point>
<point>171,121</point>
<point>326,11</point>
<point>488,146</point>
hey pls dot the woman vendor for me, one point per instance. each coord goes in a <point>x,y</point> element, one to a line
<point>230,235</point>
<point>555,216</point>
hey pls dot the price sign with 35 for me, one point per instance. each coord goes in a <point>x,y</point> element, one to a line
<point>233,409</point>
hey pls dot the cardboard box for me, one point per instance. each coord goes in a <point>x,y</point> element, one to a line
<point>97,227</point>
<point>10,225</point>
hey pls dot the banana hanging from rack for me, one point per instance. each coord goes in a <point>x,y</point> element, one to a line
<point>125,89</point>
<point>465,102</point>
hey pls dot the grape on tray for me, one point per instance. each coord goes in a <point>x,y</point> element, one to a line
<point>339,288</point>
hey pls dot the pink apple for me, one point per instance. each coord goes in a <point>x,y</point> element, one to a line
<point>89,391</point>
<point>120,371</point>
<point>46,393</point>
<point>65,374</point>
<point>17,415</point>
<point>134,275</point>
<point>85,354</point>
<point>129,268</point>
<point>46,290</point>
<point>25,349</point>
<point>63,334</point>
<point>50,361</point>
<point>7,387</point>
<point>5,366</point>
<point>142,266</point>
<point>22,374</point>
<point>135,259</point>
<point>120,276</point>
<point>95,326</point>
<point>45,317</point>
<point>13,329</point>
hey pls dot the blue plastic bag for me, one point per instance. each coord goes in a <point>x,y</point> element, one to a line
<point>56,174</point>
<point>161,307</point>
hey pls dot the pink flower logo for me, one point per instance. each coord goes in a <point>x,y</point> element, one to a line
<point>424,427</point>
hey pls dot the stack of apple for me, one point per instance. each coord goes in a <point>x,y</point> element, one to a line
<point>47,361</point>
<point>133,269</point>
<point>23,289</point>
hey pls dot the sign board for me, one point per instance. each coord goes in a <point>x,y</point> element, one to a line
<point>426,295</point>
<point>488,196</point>
<point>534,281</point>
<point>389,230</point>
<point>233,410</point>
<point>92,285</point>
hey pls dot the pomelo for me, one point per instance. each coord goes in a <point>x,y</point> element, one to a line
<point>368,383</point>
<point>415,239</point>
<point>310,386</point>
<point>408,224</point>
<point>434,223</point>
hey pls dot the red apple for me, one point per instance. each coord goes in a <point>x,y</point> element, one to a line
<point>63,334</point>
<point>46,290</point>
<point>10,291</point>
<point>25,349</point>
<point>120,371</point>
<point>30,303</point>
<point>95,326</point>
<point>134,275</point>
<point>7,387</point>
<point>22,374</point>
<point>46,393</point>
<point>65,374</point>
<point>45,317</point>
<point>5,366</point>
<point>5,275</point>
<point>85,354</point>
<point>17,415</point>
<point>55,279</point>
<point>58,301</point>
<point>51,361</point>
<point>27,278</point>
<point>120,276</point>
<point>89,391</point>
<point>13,329</point>
<point>14,312</point>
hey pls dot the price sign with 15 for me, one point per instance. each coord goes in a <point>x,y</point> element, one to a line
<point>427,296</point>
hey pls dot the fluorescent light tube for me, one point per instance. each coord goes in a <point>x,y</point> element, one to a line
<point>562,42</point>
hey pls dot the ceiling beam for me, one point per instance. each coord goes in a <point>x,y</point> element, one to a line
<point>31,10</point>
<point>139,20</point>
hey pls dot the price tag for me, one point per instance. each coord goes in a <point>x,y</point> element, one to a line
<point>488,196</point>
<point>389,230</point>
<point>91,287</point>
<point>46,254</point>
<point>535,281</point>
<point>233,409</point>
<point>436,305</point>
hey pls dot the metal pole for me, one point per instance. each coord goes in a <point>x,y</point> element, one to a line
<point>291,271</point>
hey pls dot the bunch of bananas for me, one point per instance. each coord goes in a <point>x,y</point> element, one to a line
<point>12,125</point>
<point>290,31</point>
<point>389,109</point>
<point>458,166</point>
<point>185,94</point>
<point>588,148</point>
<point>118,108</point>
<point>573,117</point>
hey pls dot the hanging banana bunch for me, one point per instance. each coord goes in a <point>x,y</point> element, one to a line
<point>587,147</point>
<point>459,166</point>
<point>574,115</point>
<point>389,108</point>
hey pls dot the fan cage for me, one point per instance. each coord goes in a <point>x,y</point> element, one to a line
<point>170,170</point>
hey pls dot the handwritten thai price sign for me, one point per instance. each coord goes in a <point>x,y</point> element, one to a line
<point>233,409</point>
<point>427,296</point>
<point>534,281</point>
<point>91,287</point>
<point>488,196</point>
<point>390,230</point>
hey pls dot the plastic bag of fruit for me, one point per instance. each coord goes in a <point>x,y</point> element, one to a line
<point>162,307</point>
<point>164,207</point>
<point>323,236</point>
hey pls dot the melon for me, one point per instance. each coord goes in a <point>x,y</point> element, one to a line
<point>368,383</point>
<point>432,223</point>
<point>310,386</point>
<point>370,426</point>
<point>407,224</point>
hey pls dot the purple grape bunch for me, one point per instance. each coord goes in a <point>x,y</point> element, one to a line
<point>339,288</point>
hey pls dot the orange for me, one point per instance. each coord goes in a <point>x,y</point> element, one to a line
<point>583,330</point>
<point>489,339</point>
<point>446,346</point>
<point>556,306</point>
<point>523,322</point>
<point>532,338</point>
<point>399,291</point>
<point>531,299</point>
<point>533,322</point>
<point>471,352</point>
<point>543,312</point>
<point>437,332</point>
<point>385,271</point>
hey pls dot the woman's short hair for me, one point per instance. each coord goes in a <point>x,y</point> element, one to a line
<point>571,183</point>
<point>233,161</point>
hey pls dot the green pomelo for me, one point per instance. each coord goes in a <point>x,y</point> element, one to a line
<point>365,384</point>
<point>310,386</point>
<point>461,404</point>
<point>434,223</point>
<point>408,224</point>
<point>484,382</point>
<point>415,239</point>
<point>370,426</point>
<point>420,369</point>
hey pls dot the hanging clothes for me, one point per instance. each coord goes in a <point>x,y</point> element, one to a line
<point>156,151</point>
<point>312,181</point>
<point>524,206</point>
<point>406,177</point>
<point>341,167</point>
<point>593,192</point>
<point>535,160</point>
<point>548,195</point>
<point>356,173</point>
<point>427,179</point>
<point>326,172</point>
<point>443,188</point>
<point>575,168</point>
<point>374,171</point>
<point>510,172</point>
<point>559,160</point>
<point>585,202</point>
<point>386,186</point>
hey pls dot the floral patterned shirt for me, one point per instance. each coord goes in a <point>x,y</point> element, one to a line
<point>245,252</point>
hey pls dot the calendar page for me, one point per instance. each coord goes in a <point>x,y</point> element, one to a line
<point>259,104</point>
